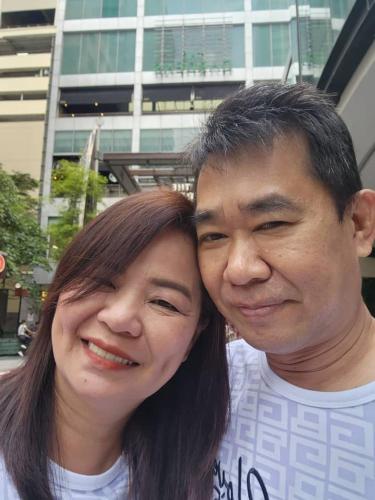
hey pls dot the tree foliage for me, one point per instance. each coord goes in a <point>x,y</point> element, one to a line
<point>74,183</point>
<point>20,235</point>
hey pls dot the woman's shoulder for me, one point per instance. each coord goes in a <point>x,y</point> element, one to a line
<point>110,484</point>
<point>7,488</point>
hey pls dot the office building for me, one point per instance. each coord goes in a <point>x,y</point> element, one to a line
<point>147,72</point>
<point>349,75</point>
<point>26,38</point>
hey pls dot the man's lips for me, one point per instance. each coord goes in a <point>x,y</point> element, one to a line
<point>259,309</point>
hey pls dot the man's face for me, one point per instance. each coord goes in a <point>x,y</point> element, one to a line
<point>273,254</point>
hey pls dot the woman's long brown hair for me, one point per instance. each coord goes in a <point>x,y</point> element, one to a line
<point>171,440</point>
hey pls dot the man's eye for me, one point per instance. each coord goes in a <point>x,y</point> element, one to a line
<point>165,304</point>
<point>210,237</point>
<point>272,225</point>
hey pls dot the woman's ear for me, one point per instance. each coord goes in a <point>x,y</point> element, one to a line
<point>363,216</point>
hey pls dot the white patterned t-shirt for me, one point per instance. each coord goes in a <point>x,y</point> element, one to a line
<point>110,485</point>
<point>288,443</point>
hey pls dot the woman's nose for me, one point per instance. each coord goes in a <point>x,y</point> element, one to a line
<point>121,316</point>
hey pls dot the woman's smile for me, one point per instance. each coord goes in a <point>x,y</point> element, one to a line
<point>105,356</point>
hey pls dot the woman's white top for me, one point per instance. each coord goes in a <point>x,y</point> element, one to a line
<point>112,484</point>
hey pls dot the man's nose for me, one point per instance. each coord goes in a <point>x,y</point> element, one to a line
<point>245,264</point>
<point>121,315</point>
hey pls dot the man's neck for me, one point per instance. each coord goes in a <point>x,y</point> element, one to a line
<point>343,362</point>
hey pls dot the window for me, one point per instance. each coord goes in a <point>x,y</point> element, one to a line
<point>95,100</point>
<point>115,141</point>
<point>74,141</point>
<point>188,97</point>
<point>74,9</point>
<point>170,7</point>
<point>86,9</point>
<point>92,8</point>
<point>270,44</point>
<point>194,48</point>
<point>321,40</point>
<point>26,18</point>
<point>71,53</point>
<point>110,8</point>
<point>98,52</point>
<point>341,8</point>
<point>165,140</point>
<point>317,39</point>
<point>271,4</point>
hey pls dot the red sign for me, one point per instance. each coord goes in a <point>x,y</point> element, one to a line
<point>3,264</point>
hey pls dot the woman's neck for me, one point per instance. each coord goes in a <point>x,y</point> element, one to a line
<point>340,363</point>
<point>84,440</point>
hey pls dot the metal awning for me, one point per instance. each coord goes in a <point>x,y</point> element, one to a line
<point>163,168</point>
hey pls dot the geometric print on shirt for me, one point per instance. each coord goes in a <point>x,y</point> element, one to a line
<point>288,443</point>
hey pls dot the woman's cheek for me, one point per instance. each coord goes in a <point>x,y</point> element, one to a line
<point>70,315</point>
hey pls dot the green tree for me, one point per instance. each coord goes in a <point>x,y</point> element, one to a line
<point>20,235</point>
<point>82,189</point>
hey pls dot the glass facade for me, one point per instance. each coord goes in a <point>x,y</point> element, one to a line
<point>317,36</point>
<point>317,39</point>
<point>74,141</point>
<point>166,140</point>
<point>271,44</point>
<point>339,8</point>
<point>115,141</point>
<point>170,7</point>
<point>270,4</point>
<point>98,52</point>
<point>194,48</point>
<point>71,141</point>
<point>85,9</point>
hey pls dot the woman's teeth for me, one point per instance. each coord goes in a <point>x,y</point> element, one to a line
<point>107,355</point>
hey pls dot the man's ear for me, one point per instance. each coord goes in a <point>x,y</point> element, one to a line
<point>363,217</point>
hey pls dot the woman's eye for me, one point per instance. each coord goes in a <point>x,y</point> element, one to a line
<point>165,304</point>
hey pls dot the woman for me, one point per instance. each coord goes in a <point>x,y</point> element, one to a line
<point>124,393</point>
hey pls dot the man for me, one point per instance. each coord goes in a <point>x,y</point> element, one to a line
<point>24,336</point>
<point>281,221</point>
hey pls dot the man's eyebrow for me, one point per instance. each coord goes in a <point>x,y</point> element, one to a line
<point>266,204</point>
<point>270,203</point>
<point>174,285</point>
<point>201,216</point>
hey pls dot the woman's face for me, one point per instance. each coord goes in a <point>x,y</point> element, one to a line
<point>125,341</point>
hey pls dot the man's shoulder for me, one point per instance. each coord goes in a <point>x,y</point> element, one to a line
<point>240,352</point>
<point>243,362</point>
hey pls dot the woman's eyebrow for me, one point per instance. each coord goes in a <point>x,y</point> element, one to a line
<point>174,285</point>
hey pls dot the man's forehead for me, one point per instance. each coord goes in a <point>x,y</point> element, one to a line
<point>287,157</point>
<point>247,153</point>
<point>254,182</point>
<point>223,164</point>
